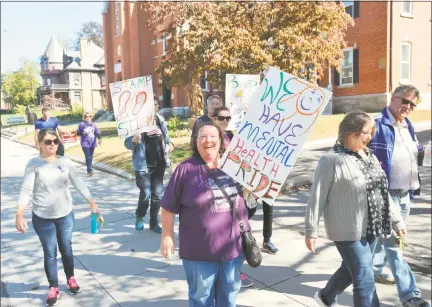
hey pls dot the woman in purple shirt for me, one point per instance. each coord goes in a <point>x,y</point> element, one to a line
<point>210,240</point>
<point>88,132</point>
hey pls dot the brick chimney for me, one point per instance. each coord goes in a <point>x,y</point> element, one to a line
<point>83,51</point>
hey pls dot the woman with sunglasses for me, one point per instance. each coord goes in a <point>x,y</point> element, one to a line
<point>46,186</point>
<point>88,132</point>
<point>222,117</point>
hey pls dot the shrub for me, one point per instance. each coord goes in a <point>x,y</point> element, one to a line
<point>174,123</point>
<point>77,111</point>
<point>19,109</point>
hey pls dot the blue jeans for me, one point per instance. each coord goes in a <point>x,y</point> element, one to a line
<point>213,283</point>
<point>388,250</point>
<point>150,184</point>
<point>356,269</point>
<point>51,232</point>
<point>88,152</point>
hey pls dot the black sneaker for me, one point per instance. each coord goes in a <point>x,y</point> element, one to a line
<point>416,302</point>
<point>270,248</point>
<point>53,296</point>
<point>245,282</point>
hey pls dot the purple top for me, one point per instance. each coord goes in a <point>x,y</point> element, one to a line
<point>88,133</point>
<point>208,230</point>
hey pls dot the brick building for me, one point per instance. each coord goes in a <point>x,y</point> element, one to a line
<point>389,45</point>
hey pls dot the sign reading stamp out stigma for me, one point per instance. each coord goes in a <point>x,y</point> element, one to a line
<point>282,113</point>
<point>133,105</point>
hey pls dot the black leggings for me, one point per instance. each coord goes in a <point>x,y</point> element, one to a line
<point>267,220</point>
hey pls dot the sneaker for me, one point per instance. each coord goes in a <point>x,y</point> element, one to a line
<point>416,302</point>
<point>319,301</point>
<point>385,279</point>
<point>53,296</point>
<point>245,282</point>
<point>139,224</point>
<point>157,229</point>
<point>90,173</point>
<point>270,248</point>
<point>73,286</point>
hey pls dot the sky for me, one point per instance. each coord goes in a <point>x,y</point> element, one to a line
<point>27,27</point>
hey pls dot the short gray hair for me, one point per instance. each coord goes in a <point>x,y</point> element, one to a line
<point>353,123</point>
<point>402,89</point>
<point>213,97</point>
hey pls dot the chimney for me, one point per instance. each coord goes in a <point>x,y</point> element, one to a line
<point>83,51</point>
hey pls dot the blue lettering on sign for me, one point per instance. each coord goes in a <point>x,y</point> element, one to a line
<point>15,120</point>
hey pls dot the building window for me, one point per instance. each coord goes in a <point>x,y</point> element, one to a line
<point>163,45</point>
<point>204,84</point>
<point>346,77</point>
<point>77,97</point>
<point>103,80</point>
<point>46,65</point>
<point>117,17</point>
<point>76,79</point>
<point>352,8</point>
<point>407,7</point>
<point>48,81</point>
<point>405,74</point>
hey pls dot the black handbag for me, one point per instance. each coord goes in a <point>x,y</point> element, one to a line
<point>250,247</point>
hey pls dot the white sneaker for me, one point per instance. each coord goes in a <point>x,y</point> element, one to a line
<point>319,301</point>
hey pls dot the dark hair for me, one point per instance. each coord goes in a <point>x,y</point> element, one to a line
<point>44,132</point>
<point>218,110</point>
<point>195,138</point>
<point>155,98</point>
<point>45,109</point>
<point>353,123</point>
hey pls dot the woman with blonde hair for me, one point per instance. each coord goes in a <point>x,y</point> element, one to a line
<point>88,132</point>
<point>350,190</point>
<point>46,186</point>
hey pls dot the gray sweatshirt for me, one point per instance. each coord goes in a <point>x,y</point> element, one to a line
<point>46,185</point>
<point>338,193</point>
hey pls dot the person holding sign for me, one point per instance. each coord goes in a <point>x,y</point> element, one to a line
<point>210,236</point>
<point>46,186</point>
<point>149,163</point>
<point>213,102</point>
<point>350,189</point>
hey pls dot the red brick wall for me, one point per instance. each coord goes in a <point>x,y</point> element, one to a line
<point>369,35</point>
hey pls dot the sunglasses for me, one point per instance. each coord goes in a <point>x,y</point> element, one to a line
<point>49,142</point>
<point>406,101</point>
<point>222,118</point>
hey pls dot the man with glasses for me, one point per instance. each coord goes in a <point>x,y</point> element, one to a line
<point>213,102</point>
<point>396,147</point>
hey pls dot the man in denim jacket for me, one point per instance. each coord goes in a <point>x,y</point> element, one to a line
<point>149,163</point>
<point>396,147</point>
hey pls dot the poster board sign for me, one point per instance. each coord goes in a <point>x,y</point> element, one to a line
<point>282,113</point>
<point>69,137</point>
<point>133,105</point>
<point>238,90</point>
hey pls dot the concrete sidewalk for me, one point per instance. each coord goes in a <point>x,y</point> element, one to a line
<point>123,267</point>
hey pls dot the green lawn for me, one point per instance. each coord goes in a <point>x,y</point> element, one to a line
<point>113,152</point>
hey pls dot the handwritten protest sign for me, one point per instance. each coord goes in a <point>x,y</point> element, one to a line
<point>282,113</point>
<point>133,104</point>
<point>238,90</point>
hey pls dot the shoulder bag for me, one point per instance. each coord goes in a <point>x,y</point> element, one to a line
<point>250,247</point>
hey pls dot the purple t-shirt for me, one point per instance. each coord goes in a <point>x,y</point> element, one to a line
<point>88,133</point>
<point>208,230</point>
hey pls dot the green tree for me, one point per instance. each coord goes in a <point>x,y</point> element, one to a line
<point>19,87</point>
<point>223,37</point>
<point>91,30</point>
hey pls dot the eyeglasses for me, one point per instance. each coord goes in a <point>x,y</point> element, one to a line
<point>49,142</point>
<point>406,101</point>
<point>222,118</point>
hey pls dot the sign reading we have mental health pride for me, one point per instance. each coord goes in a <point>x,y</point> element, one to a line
<point>238,90</point>
<point>282,114</point>
<point>133,105</point>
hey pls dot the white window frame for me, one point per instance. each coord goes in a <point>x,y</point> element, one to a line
<point>77,94</point>
<point>48,81</point>
<point>351,3</point>
<point>405,80</point>
<point>117,17</point>
<point>164,39</point>
<point>207,87</point>
<point>46,64</point>
<point>403,8</point>
<point>342,69</point>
